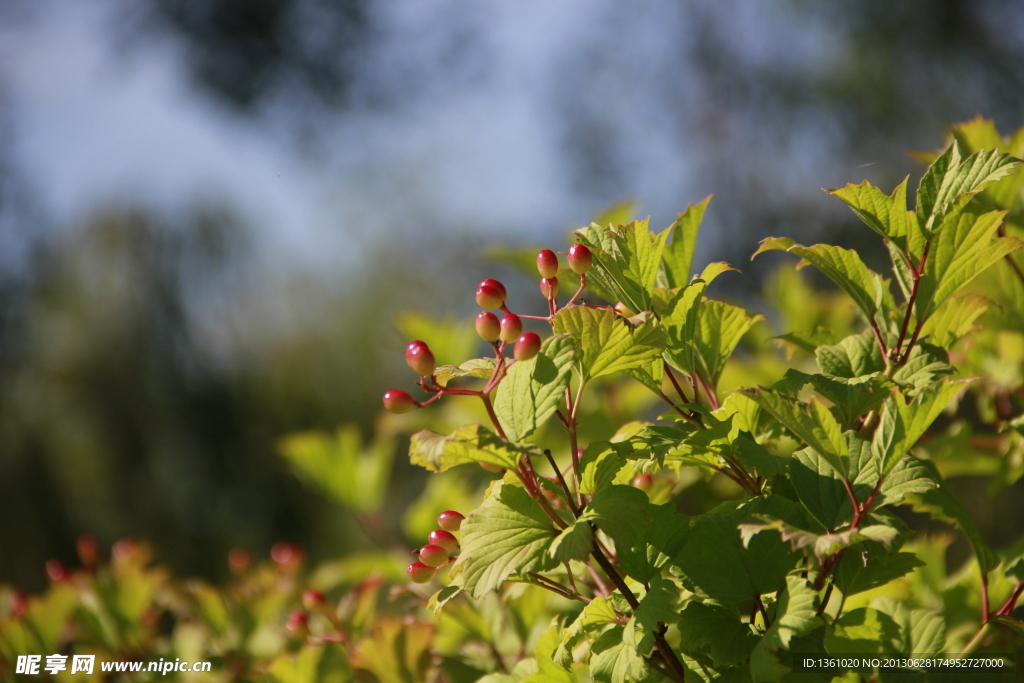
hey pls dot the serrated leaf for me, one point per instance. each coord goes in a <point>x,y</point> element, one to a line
<point>821,490</point>
<point>713,629</point>
<point>855,356</point>
<point>885,214</point>
<point>658,606</point>
<point>949,179</point>
<point>857,573</point>
<point>842,266</point>
<point>940,503</point>
<point>573,543</point>
<point>605,343</point>
<point>720,327</point>
<point>863,631</point>
<point>964,248</point>
<point>598,614</point>
<point>441,598</point>
<point>901,425</point>
<point>796,614</point>
<point>852,397</point>
<point>532,390</point>
<point>822,545</point>
<point>954,318</point>
<point>816,427</point>
<point>547,670</point>
<point>508,533</point>
<point>626,261</point>
<point>482,368</point>
<point>926,365</point>
<point>677,259</point>
<point>614,661</point>
<point>718,565</point>
<point>622,513</point>
<point>600,463</point>
<point>468,444</point>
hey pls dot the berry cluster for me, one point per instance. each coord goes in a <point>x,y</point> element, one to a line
<point>499,332</point>
<point>441,543</point>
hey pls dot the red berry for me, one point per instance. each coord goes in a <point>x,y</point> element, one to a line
<point>125,549</point>
<point>580,259</point>
<point>398,401</point>
<point>18,604</point>
<point>487,326</point>
<point>547,263</point>
<point>497,285</point>
<point>489,296</point>
<point>549,287</point>
<point>287,556</point>
<point>419,572</point>
<point>511,327</point>
<point>313,600</point>
<point>297,625</point>
<point>450,520</point>
<point>420,358</point>
<point>444,539</point>
<point>88,550</point>
<point>56,570</point>
<point>433,555</point>
<point>239,560</point>
<point>527,347</point>
<point>644,482</point>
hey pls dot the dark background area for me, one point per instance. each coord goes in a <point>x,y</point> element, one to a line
<point>155,344</point>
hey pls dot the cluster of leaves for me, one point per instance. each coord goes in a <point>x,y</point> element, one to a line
<point>801,559</point>
<point>795,464</point>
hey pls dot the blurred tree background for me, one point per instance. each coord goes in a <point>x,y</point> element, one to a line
<point>155,344</point>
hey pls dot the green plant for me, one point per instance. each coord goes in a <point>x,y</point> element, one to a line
<point>798,560</point>
<point>679,498</point>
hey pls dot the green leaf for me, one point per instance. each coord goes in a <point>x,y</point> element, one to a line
<point>855,356</point>
<point>658,606</point>
<point>926,365</point>
<point>573,543</point>
<point>680,323</point>
<point>821,490</point>
<point>606,343</point>
<point>817,427</point>
<point>940,503</point>
<point>858,573</point>
<point>901,425</point>
<point>626,261</point>
<point>842,266</point>
<point>954,318</point>
<point>885,214</point>
<point>598,614</point>
<point>718,565</point>
<point>677,259</point>
<point>863,631</point>
<point>650,374</point>
<point>851,397</point>
<point>715,630</point>
<point>339,465</point>
<point>796,614</point>
<point>547,670</point>
<point>600,463</point>
<point>949,179</point>
<point>720,327</point>
<point>615,661</point>
<point>468,444</point>
<point>507,534</point>
<point>622,513</point>
<point>822,545</point>
<point>532,390</point>
<point>481,368</point>
<point>959,253</point>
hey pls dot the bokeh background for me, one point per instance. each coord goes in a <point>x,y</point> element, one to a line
<point>211,211</point>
